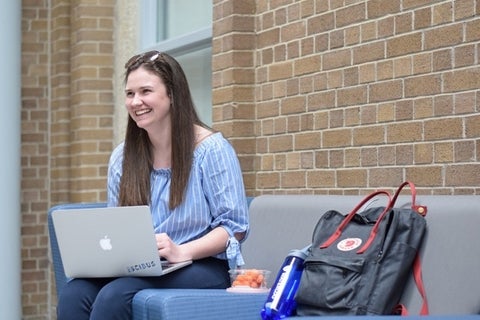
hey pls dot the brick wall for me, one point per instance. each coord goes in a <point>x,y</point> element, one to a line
<point>35,160</point>
<point>233,80</point>
<point>349,96</point>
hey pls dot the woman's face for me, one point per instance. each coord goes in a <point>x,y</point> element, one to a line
<point>146,99</point>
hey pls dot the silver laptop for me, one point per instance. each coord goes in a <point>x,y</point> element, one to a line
<point>109,242</point>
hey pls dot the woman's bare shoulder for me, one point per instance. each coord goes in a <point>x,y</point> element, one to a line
<point>201,134</point>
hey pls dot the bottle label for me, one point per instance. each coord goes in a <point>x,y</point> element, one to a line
<point>282,282</point>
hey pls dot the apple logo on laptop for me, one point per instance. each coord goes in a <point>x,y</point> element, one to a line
<point>105,243</point>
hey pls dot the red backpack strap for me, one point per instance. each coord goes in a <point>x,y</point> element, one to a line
<point>422,210</point>
<point>417,275</point>
<point>400,309</point>
<point>350,216</point>
<point>417,265</point>
<point>374,231</point>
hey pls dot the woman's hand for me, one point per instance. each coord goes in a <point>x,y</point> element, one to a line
<point>169,249</point>
<point>210,244</point>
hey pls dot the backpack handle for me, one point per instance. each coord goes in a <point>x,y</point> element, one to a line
<point>422,210</point>
<point>350,216</point>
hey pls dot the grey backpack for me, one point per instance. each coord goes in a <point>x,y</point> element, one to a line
<point>360,262</point>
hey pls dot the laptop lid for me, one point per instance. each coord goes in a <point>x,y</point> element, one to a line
<point>108,242</point>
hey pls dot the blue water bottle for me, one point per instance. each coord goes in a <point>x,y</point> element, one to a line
<point>280,302</point>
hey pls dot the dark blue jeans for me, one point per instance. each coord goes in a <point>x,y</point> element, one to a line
<point>111,298</point>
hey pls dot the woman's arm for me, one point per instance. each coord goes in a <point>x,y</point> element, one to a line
<point>222,186</point>
<point>210,244</point>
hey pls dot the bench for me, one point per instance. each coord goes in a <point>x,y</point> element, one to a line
<point>450,258</point>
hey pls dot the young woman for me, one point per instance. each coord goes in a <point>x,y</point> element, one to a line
<point>190,177</point>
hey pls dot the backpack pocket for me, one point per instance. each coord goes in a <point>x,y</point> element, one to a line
<point>330,282</point>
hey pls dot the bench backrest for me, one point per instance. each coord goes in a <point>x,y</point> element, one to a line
<point>450,254</point>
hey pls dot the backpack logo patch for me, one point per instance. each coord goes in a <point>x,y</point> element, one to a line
<point>349,244</point>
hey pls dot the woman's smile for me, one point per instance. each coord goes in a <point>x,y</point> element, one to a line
<point>142,112</point>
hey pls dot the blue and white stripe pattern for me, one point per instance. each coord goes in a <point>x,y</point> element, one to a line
<point>215,195</point>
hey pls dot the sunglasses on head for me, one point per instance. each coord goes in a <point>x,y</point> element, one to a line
<point>149,56</point>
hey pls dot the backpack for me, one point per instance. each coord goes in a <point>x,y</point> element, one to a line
<point>359,263</point>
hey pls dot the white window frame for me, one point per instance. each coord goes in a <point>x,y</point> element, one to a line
<point>193,41</point>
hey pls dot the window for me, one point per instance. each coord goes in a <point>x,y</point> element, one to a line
<point>183,29</point>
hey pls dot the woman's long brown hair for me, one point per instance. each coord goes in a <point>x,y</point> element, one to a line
<point>135,186</point>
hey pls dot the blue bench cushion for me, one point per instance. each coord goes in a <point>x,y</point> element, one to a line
<point>180,304</point>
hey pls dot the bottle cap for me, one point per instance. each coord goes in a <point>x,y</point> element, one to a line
<point>298,253</point>
<point>302,254</point>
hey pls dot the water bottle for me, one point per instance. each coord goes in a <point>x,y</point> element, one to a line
<point>280,302</point>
